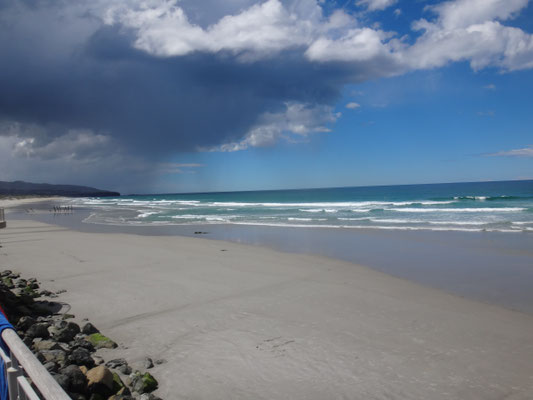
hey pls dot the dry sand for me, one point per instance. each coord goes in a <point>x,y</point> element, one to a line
<point>14,201</point>
<point>244,322</point>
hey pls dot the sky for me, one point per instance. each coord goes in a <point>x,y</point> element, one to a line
<point>169,96</point>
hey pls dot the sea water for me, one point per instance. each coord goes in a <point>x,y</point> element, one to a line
<point>481,206</point>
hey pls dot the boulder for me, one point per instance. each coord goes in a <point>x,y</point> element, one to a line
<point>100,381</point>
<point>63,381</point>
<point>149,396</point>
<point>148,363</point>
<point>143,383</point>
<point>39,345</point>
<point>81,356</point>
<point>115,363</point>
<point>8,282</point>
<point>51,366</point>
<point>119,386</point>
<point>77,380</point>
<point>125,369</point>
<point>25,322</point>
<point>57,356</point>
<point>81,342</point>
<point>100,341</point>
<point>97,359</point>
<point>63,331</point>
<point>39,330</point>
<point>89,329</point>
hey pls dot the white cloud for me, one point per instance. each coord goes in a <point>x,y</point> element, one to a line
<point>462,30</point>
<point>75,144</point>
<point>490,86</point>
<point>164,29</point>
<point>373,5</point>
<point>464,13</point>
<point>525,152</point>
<point>352,105</point>
<point>362,44</point>
<point>297,121</point>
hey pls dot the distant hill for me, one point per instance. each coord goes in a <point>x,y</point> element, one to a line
<point>20,188</point>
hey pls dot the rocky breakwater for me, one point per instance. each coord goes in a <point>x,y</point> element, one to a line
<point>70,351</point>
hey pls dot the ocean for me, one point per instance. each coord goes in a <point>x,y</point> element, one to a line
<point>505,206</point>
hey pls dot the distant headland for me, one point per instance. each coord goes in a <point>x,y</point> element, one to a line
<point>20,188</point>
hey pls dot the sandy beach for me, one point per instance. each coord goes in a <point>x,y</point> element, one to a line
<point>17,201</point>
<point>238,322</point>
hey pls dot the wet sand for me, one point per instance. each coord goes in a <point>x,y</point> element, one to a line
<point>237,321</point>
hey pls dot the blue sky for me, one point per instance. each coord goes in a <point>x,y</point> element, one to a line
<point>177,96</point>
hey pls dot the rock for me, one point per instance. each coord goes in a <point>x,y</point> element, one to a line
<point>160,361</point>
<point>63,331</point>
<point>100,381</point>
<point>83,369</point>
<point>125,369</point>
<point>25,322</point>
<point>38,330</point>
<point>117,362</point>
<point>21,283</point>
<point>39,345</point>
<point>120,397</point>
<point>81,342</point>
<point>40,357</point>
<point>97,359</point>
<point>120,364</point>
<point>100,341</point>
<point>148,396</point>
<point>77,379</point>
<point>23,310</point>
<point>89,329</point>
<point>41,308</point>
<point>8,282</point>
<point>46,293</point>
<point>63,381</point>
<point>96,396</point>
<point>51,366</point>
<point>118,385</point>
<point>143,383</point>
<point>32,284</point>
<point>81,356</point>
<point>28,341</point>
<point>148,363</point>
<point>57,356</point>
<point>67,316</point>
<point>6,273</point>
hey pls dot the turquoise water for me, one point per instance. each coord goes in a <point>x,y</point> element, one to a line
<point>483,206</point>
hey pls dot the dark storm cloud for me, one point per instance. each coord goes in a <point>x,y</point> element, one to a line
<point>76,73</point>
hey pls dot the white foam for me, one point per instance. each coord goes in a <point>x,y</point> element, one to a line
<point>317,210</point>
<point>306,219</point>
<point>457,210</point>
<point>147,214</point>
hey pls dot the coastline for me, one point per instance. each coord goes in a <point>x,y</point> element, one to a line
<point>491,267</point>
<point>239,321</point>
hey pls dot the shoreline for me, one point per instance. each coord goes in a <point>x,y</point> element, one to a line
<point>490,267</point>
<point>239,321</point>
